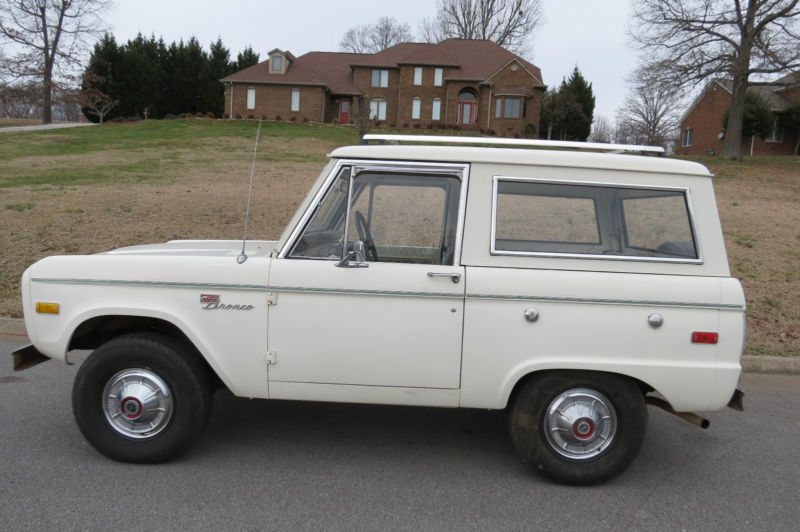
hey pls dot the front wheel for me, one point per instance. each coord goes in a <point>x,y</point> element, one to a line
<point>142,397</point>
<point>578,427</point>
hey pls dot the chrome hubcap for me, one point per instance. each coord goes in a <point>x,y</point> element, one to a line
<point>580,424</point>
<point>137,403</point>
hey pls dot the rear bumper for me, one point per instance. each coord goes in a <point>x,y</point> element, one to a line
<point>737,400</point>
<point>27,356</point>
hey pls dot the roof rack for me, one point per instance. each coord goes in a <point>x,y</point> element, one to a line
<point>452,139</point>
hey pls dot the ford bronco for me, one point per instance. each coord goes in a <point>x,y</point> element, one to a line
<point>571,288</point>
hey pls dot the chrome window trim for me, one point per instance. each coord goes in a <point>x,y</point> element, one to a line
<point>684,190</point>
<point>303,221</point>
<point>357,166</point>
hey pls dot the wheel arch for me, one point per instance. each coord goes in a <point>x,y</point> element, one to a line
<point>95,331</point>
<point>523,381</point>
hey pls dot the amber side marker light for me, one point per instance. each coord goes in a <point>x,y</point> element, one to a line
<point>705,338</point>
<point>47,308</point>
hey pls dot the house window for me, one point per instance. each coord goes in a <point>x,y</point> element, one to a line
<point>437,77</point>
<point>688,137</point>
<point>276,63</point>
<point>436,109</point>
<point>295,99</point>
<point>498,108</point>
<point>511,107</point>
<point>417,75</point>
<point>251,98</point>
<point>416,105</point>
<point>776,135</point>
<point>380,78</point>
<point>377,109</point>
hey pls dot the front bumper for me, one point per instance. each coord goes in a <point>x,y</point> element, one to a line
<point>27,356</point>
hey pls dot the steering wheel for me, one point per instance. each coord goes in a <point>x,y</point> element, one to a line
<point>365,236</point>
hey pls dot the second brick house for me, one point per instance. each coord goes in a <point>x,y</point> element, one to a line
<point>702,124</point>
<point>472,84</point>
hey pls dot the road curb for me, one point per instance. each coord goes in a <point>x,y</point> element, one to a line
<point>766,364</point>
<point>12,326</point>
<point>750,363</point>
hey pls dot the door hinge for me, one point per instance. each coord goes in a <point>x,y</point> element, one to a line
<point>272,298</point>
<point>272,357</point>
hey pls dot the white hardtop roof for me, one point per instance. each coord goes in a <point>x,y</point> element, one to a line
<point>535,157</point>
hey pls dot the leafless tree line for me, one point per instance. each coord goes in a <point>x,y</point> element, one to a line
<point>509,23</point>
<point>24,100</point>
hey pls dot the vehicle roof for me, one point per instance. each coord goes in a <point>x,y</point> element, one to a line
<point>534,157</point>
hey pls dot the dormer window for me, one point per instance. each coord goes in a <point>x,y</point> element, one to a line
<point>279,61</point>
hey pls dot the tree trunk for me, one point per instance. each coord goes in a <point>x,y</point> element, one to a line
<point>47,97</point>
<point>732,143</point>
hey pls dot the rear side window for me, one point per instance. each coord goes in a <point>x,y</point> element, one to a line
<point>618,222</point>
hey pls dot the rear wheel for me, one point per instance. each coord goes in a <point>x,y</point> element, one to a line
<point>142,397</point>
<point>578,427</point>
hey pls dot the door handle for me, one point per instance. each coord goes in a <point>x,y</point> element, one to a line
<point>455,277</point>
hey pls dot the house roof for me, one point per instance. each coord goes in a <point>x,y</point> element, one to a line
<point>771,93</point>
<point>474,60</point>
<point>329,69</point>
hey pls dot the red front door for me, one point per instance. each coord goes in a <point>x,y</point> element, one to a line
<point>466,113</point>
<point>344,111</point>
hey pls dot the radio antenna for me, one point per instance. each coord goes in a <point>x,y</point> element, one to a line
<point>243,256</point>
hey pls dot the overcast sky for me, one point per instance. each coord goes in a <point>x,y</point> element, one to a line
<point>588,33</point>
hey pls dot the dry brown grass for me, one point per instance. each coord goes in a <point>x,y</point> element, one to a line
<point>201,193</point>
<point>759,204</point>
<point>14,122</point>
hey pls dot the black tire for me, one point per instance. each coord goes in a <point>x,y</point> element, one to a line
<point>586,445</point>
<point>142,397</point>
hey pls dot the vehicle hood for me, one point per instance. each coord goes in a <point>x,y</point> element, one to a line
<point>199,248</point>
<point>179,262</point>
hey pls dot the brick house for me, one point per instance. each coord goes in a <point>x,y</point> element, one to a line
<point>470,83</point>
<point>701,125</point>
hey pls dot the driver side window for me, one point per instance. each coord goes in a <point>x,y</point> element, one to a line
<point>404,218</point>
<point>393,217</point>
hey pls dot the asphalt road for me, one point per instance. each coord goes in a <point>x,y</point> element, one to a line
<point>264,465</point>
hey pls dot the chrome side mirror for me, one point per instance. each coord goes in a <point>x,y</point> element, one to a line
<point>355,258</point>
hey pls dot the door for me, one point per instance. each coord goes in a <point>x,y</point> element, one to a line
<point>390,312</point>
<point>466,112</point>
<point>344,111</point>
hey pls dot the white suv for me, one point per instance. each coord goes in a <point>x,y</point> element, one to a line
<point>564,286</point>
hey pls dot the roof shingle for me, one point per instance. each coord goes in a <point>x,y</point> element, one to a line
<point>475,60</point>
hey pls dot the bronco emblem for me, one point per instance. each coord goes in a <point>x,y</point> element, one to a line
<point>213,302</point>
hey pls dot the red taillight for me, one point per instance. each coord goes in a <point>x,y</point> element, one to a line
<point>704,338</point>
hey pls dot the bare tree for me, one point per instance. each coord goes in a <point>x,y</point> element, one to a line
<point>692,40</point>
<point>373,38</point>
<point>94,100</point>
<point>509,23</point>
<point>48,37</point>
<point>602,130</point>
<point>649,114</point>
<point>356,40</point>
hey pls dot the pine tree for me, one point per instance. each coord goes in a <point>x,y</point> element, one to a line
<point>246,58</point>
<point>219,66</point>
<point>567,113</point>
<point>102,73</point>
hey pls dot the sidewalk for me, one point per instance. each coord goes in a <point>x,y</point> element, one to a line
<point>40,127</point>
<point>751,364</point>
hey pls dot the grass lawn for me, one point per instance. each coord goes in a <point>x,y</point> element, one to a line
<point>86,190</point>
